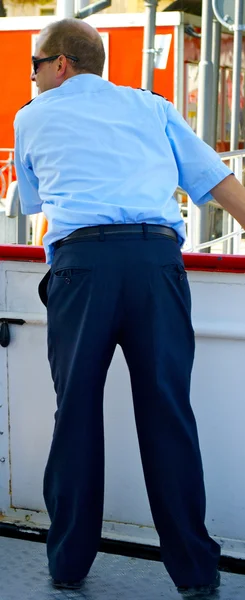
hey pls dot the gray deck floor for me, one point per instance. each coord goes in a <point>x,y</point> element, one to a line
<point>24,576</point>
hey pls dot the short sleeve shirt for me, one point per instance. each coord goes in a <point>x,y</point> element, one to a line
<point>90,152</point>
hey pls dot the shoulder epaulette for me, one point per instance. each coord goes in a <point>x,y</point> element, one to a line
<point>26,104</point>
<point>154,94</point>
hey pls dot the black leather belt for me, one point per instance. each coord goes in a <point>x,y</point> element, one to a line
<point>103,230</point>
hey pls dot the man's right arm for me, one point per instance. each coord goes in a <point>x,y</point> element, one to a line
<point>230,194</point>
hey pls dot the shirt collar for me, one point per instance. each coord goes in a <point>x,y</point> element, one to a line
<point>85,82</point>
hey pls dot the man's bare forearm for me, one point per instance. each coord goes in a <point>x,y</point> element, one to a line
<point>230,194</point>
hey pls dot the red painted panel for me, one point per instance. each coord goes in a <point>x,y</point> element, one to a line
<point>23,253</point>
<point>225,263</point>
<point>15,69</point>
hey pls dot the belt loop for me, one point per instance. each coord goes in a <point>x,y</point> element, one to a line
<point>145,230</point>
<point>102,233</point>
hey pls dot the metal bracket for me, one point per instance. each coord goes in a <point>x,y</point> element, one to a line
<point>4,330</point>
<point>12,321</point>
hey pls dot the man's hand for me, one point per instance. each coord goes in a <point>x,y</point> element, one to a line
<point>230,194</point>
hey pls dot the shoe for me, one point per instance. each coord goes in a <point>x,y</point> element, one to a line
<point>200,592</point>
<point>67,585</point>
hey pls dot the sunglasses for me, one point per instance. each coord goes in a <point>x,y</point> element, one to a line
<point>37,61</point>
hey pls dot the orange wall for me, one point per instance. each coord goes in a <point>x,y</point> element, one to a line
<point>125,66</point>
<point>15,52</point>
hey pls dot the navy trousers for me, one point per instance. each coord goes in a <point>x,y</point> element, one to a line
<point>130,290</point>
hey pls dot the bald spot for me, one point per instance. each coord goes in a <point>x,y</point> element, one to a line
<point>73,27</point>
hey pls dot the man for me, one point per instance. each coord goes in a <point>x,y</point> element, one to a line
<point>103,163</point>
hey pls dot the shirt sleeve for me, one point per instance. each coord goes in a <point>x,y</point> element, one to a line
<point>200,167</point>
<point>30,202</point>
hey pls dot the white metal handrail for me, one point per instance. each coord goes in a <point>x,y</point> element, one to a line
<point>6,170</point>
<point>234,230</point>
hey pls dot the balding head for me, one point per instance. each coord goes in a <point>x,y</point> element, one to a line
<point>73,37</point>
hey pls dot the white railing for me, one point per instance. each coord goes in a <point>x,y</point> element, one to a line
<point>6,170</point>
<point>231,241</point>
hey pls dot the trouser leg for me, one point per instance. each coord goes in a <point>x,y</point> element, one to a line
<point>158,344</point>
<point>81,342</point>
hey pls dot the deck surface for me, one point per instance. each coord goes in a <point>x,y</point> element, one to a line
<point>24,576</point>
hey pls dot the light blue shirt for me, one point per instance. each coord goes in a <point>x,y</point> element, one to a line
<point>90,152</point>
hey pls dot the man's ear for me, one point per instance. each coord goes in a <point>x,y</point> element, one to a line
<point>61,67</point>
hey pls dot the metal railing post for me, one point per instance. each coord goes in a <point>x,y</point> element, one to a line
<point>238,166</point>
<point>205,87</point>
<point>149,44</point>
<point>215,60</point>
<point>10,168</point>
<point>192,226</point>
<point>236,74</point>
